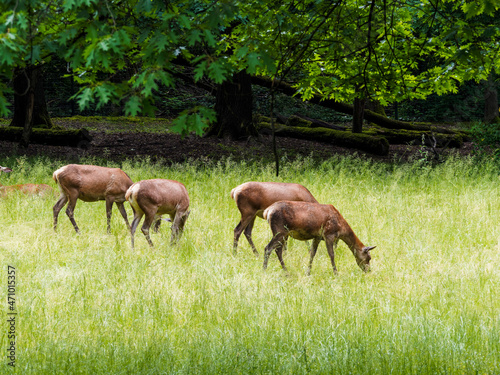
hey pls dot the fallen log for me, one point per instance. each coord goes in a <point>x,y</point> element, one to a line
<point>398,137</point>
<point>318,123</point>
<point>280,118</point>
<point>348,109</point>
<point>363,142</point>
<point>80,138</point>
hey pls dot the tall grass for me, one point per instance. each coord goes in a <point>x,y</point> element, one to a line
<point>88,304</point>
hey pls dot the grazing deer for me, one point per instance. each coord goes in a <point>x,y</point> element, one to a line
<point>157,197</point>
<point>305,221</point>
<point>90,183</point>
<point>28,189</point>
<point>252,198</point>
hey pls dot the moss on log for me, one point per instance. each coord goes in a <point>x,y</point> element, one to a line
<point>396,137</point>
<point>55,137</point>
<point>298,122</point>
<point>373,144</point>
<point>348,109</point>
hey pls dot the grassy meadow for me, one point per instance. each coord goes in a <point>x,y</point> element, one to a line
<point>88,304</point>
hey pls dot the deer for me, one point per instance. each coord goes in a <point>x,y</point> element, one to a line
<point>312,221</point>
<point>252,198</point>
<point>157,197</point>
<point>90,183</point>
<point>28,189</point>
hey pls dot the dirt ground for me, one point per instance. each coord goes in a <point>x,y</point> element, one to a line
<point>171,148</point>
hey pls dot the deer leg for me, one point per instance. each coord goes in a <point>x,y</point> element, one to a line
<point>276,241</point>
<point>145,227</point>
<point>331,245</point>
<point>176,231</point>
<point>70,212</point>
<point>312,253</point>
<point>248,235</point>
<point>109,207</point>
<point>63,199</point>
<point>279,251</point>
<point>239,229</point>
<point>178,225</point>
<point>157,225</point>
<point>137,218</point>
<point>121,208</point>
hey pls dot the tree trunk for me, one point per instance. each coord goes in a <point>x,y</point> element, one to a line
<point>28,125</point>
<point>234,108</point>
<point>358,115</point>
<point>375,106</point>
<point>491,109</point>
<point>29,98</point>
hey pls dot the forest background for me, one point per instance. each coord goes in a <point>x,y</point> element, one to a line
<point>364,61</point>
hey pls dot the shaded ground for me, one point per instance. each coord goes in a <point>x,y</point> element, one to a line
<point>171,148</point>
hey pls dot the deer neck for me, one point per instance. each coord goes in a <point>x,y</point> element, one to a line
<point>351,240</point>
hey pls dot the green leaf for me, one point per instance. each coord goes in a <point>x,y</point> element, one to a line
<point>4,110</point>
<point>216,72</point>
<point>180,125</point>
<point>253,61</point>
<point>184,21</point>
<point>199,70</point>
<point>194,37</point>
<point>85,98</point>
<point>133,106</point>
<point>68,5</point>
<point>103,94</point>
<point>161,43</point>
<point>209,38</point>
<point>193,120</point>
<point>149,85</point>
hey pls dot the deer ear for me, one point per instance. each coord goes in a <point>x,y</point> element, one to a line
<point>368,248</point>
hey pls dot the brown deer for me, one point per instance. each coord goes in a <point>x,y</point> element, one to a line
<point>305,221</point>
<point>157,197</point>
<point>252,198</point>
<point>28,189</point>
<point>90,183</point>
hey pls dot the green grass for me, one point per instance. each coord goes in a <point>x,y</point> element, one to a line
<point>88,304</point>
<point>110,124</point>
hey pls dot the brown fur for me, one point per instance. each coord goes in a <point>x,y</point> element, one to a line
<point>157,197</point>
<point>252,198</point>
<point>28,189</point>
<point>312,221</point>
<point>90,183</point>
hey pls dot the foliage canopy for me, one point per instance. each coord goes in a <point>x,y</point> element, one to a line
<point>122,51</point>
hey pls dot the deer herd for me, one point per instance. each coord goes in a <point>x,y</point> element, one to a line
<point>290,209</point>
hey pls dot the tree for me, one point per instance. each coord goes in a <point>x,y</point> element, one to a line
<point>100,41</point>
<point>29,96</point>
<point>21,50</point>
<point>234,108</point>
<point>491,109</point>
<point>375,51</point>
<point>342,51</point>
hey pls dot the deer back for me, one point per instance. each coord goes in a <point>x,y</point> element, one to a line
<point>260,195</point>
<point>92,182</point>
<point>165,196</point>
